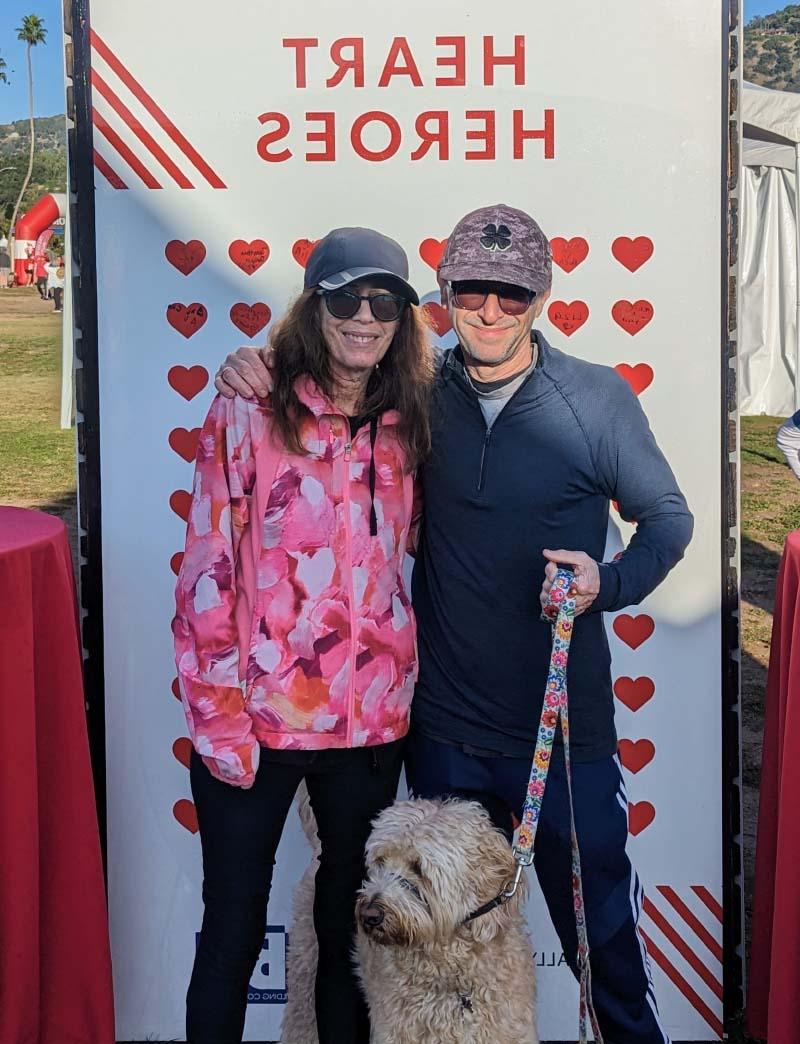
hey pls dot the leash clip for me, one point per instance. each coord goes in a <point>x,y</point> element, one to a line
<point>510,892</point>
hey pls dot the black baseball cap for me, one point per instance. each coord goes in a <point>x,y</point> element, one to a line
<point>348,254</point>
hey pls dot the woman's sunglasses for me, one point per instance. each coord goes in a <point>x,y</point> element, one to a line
<point>471,294</point>
<point>344,304</point>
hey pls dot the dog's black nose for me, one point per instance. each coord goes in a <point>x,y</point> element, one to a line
<point>372,916</point>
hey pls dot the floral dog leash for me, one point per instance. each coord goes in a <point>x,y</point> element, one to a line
<point>560,612</point>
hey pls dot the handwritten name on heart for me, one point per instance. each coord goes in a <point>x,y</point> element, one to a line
<point>632,316</point>
<point>632,253</point>
<point>248,256</point>
<point>438,317</point>
<point>175,562</point>
<point>185,256</point>
<point>250,319</point>
<point>569,253</point>
<point>181,501</point>
<point>182,749</point>
<point>568,317</point>
<point>301,251</point>
<point>186,814</point>
<point>431,251</point>
<point>188,381</point>
<point>184,442</point>
<point>635,754</point>
<point>640,815</point>
<point>634,692</point>
<point>634,630</point>
<point>638,377</point>
<point>187,319</point>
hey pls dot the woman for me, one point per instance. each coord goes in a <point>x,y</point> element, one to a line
<point>294,635</point>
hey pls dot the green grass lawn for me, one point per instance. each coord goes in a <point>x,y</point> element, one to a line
<point>38,457</point>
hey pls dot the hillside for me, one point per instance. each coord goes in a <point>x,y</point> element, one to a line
<point>51,135</point>
<point>772,50</point>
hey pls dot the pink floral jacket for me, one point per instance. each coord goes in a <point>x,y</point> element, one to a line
<point>293,626</point>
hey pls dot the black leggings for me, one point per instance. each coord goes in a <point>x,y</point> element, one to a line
<point>239,832</point>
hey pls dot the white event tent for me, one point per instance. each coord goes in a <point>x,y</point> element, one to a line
<point>769,253</point>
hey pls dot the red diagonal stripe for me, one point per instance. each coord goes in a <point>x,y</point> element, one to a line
<point>108,173</point>
<point>678,980</point>
<point>683,949</point>
<point>697,926</point>
<point>707,899</point>
<point>155,111</point>
<point>133,161</point>
<point>141,133</point>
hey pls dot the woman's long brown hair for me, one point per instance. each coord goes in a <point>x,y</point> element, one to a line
<point>402,382</point>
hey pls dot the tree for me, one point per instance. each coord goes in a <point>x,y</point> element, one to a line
<point>31,32</point>
<point>3,76</point>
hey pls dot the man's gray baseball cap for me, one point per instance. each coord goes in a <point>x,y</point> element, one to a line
<point>498,243</point>
<point>348,254</point>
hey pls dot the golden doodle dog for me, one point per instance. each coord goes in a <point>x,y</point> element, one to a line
<point>431,974</point>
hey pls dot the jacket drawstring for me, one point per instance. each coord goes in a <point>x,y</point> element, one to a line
<point>373,518</point>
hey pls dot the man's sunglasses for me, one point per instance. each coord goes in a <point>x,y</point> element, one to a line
<point>344,304</point>
<point>471,294</point>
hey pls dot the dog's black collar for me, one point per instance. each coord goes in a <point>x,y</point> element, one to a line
<point>499,900</point>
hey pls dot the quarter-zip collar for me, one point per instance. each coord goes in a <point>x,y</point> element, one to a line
<point>320,405</point>
<point>454,364</point>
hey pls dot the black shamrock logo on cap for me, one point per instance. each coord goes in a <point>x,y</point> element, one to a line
<point>496,237</point>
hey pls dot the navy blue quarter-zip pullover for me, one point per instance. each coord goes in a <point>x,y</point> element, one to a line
<point>572,438</point>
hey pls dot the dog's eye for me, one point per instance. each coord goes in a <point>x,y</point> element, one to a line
<point>416,868</point>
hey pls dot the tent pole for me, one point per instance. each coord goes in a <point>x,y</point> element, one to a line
<point>797,275</point>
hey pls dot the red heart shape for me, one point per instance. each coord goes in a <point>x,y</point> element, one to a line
<point>568,253</point>
<point>175,562</point>
<point>301,251</point>
<point>634,692</point>
<point>250,319</point>
<point>187,319</point>
<point>185,256</point>
<point>634,630</point>
<point>438,318</point>
<point>184,442</point>
<point>176,689</point>
<point>248,256</point>
<point>632,316</point>
<point>640,815</point>
<point>634,754</point>
<point>180,501</point>
<point>431,252</point>
<point>632,253</point>
<point>188,381</point>
<point>568,317</point>
<point>182,749</point>
<point>186,814</point>
<point>638,377</point>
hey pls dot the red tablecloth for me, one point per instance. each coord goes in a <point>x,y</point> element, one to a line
<point>774,988</point>
<point>55,966</point>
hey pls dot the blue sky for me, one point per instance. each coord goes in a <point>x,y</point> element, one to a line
<point>48,69</point>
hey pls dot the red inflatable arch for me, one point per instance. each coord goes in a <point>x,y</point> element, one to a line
<point>29,227</point>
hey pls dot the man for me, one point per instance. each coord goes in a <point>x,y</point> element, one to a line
<point>529,447</point>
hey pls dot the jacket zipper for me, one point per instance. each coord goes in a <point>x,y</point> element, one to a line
<point>484,455</point>
<point>350,591</point>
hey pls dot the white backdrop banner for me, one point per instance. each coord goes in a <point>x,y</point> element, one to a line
<point>767,301</point>
<point>228,140</point>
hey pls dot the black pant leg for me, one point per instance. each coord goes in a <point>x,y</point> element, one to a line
<point>239,833</point>
<point>347,791</point>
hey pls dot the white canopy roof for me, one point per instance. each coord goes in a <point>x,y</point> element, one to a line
<point>770,126</point>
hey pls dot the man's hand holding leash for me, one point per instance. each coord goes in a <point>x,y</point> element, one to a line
<point>586,585</point>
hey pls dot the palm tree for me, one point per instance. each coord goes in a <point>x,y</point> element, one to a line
<point>31,32</point>
<point>3,77</point>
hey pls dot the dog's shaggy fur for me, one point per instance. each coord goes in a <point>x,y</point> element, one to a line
<point>299,1024</point>
<point>429,977</point>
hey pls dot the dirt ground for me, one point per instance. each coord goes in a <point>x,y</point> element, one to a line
<point>39,471</point>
